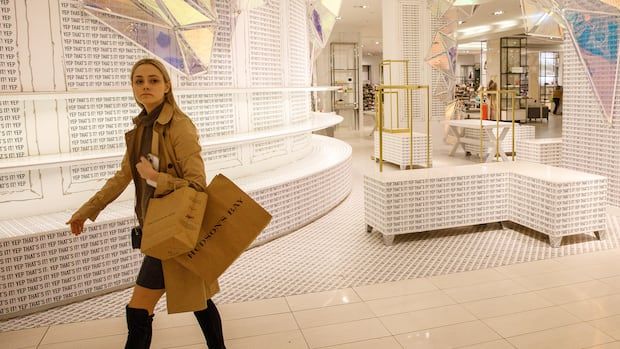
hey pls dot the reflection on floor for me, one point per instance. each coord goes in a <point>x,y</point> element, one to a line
<point>331,285</point>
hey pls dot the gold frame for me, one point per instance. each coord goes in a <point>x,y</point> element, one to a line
<point>388,63</point>
<point>380,92</point>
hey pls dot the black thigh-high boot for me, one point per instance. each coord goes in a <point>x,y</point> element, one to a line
<point>140,328</point>
<point>211,325</point>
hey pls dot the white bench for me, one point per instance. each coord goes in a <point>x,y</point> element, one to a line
<point>554,201</point>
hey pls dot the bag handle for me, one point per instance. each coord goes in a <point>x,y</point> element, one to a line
<point>155,150</point>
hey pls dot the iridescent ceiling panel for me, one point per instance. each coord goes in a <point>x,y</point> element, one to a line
<point>595,36</point>
<point>201,42</point>
<point>154,8</point>
<point>125,8</point>
<point>184,13</point>
<point>540,20</point>
<point>442,54</point>
<point>440,7</point>
<point>443,51</point>
<point>459,13</point>
<point>180,32</point>
<point>322,19</point>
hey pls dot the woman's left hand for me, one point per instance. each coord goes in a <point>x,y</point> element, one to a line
<point>145,169</point>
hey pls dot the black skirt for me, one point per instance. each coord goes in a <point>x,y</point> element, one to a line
<point>151,274</point>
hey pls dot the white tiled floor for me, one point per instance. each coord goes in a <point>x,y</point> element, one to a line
<point>565,302</point>
<point>434,312</point>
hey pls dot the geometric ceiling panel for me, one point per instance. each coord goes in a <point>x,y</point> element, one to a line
<point>185,13</point>
<point>439,7</point>
<point>449,29</point>
<point>322,19</point>
<point>595,37</point>
<point>445,89</point>
<point>443,51</point>
<point>441,89</point>
<point>459,13</point>
<point>442,55</point>
<point>180,32</point>
<point>539,20</point>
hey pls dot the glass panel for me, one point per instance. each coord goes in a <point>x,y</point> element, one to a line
<point>153,6</point>
<point>140,21</point>
<point>193,64</point>
<point>332,6</point>
<point>323,22</point>
<point>184,13</point>
<point>540,19</point>
<point>458,13</point>
<point>125,8</point>
<point>200,42</point>
<point>157,40</point>
<point>439,7</point>
<point>449,28</point>
<point>209,6</point>
<point>596,39</point>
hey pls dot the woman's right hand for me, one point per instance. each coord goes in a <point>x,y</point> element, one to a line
<point>77,225</point>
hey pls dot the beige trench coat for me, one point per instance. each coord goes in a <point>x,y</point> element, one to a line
<point>180,164</point>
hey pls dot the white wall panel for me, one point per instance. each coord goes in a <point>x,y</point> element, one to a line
<point>589,143</point>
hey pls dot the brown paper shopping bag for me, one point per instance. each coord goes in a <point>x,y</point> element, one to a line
<point>232,222</point>
<point>173,222</point>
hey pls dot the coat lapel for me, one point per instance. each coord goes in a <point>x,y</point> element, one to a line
<point>130,140</point>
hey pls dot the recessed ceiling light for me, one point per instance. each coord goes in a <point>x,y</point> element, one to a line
<point>461,22</point>
<point>338,18</point>
<point>377,42</point>
<point>362,45</point>
<point>498,12</point>
<point>360,6</point>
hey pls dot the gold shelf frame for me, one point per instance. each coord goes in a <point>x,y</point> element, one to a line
<point>380,92</point>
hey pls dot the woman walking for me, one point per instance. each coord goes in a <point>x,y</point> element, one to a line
<point>178,164</point>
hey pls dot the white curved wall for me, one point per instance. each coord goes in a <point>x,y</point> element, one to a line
<point>55,47</point>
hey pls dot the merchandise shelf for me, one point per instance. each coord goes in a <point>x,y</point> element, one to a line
<point>33,96</point>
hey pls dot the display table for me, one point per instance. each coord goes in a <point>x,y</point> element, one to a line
<point>554,201</point>
<point>489,141</point>
<point>521,132</point>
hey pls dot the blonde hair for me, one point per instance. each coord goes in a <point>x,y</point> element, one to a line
<point>168,96</point>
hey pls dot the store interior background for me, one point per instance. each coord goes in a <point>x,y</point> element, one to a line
<point>352,257</point>
<point>478,43</point>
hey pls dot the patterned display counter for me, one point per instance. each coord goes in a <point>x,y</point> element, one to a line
<point>396,149</point>
<point>554,201</point>
<point>42,265</point>
<point>543,151</point>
